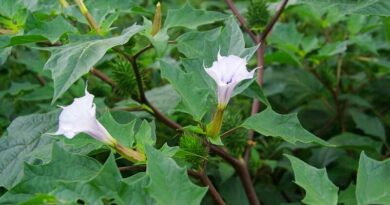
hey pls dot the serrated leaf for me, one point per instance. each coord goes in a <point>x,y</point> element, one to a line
<point>25,134</point>
<point>187,17</point>
<point>169,183</point>
<point>233,191</point>
<point>230,42</point>
<point>107,184</point>
<point>37,31</point>
<point>347,196</point>
<point>144,136</point>
<point>367,7</point>
<point>164,98</point>
<point>332,49</point>
<point>319,189</point>
<point>4,53</point>
<point>286,37</point>
<point>287,127</point>
<point>191,18</point>
<point>64,166</point>
<point>52,30</point>
<point>352,140</point>
<point>371,125</point>
<point>255,91</point>
<point>191,44</point>
<point>68,63</point>
<point>373,179</point>
<point>193,99</point>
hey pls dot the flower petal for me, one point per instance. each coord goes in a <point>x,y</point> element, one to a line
<point>227,72</point>
<point>80,116</point>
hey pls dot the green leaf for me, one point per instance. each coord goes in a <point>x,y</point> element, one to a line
<point>144,136</point>
<point>106,184</point>
<point>230,42</point>
<point>233,192</point>
<point>191,18</point>
<point>193,99</point>
<point>64,166</point>
<point>319,189</point>
<point>347,196</point>
<point>25,134</point>
<point>255,91</point>
<point>287,127</point>
<point>192,44</point>
<point>41,93</point>
<point>187,17</point>
<point>169,183</point>
<point>164,98</point>
<point>41,199</point>
<point>332,49</point>
<point>39,30</point>
<point>367,7</point>
<point>370,125</point>
<point>286,37</point>
<point>52,30</point>
<point>372,185</point>
<point>104,12</point>
<point>351,140</point>
<point>68,63</point>
<point>4,53</point>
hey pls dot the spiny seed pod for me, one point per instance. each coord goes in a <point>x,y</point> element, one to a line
<point>257,15</point>
<point>237,141</point>
<point>123,77</point>
<point>193,150</point>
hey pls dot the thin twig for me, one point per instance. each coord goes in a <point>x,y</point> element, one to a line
<point>6,31</point>
<point>261,40</point>
<point>240,19</point>
<point>229,132</point>
<point>272,22</point>
<point>103,77</point>
<point>146,48</point>
<point>143,50</point>
<point>242,170</point>
<point>41,80</point>
<point>202,176</point>
<point>157,113</point>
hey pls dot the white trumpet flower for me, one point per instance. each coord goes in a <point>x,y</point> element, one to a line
<point>227,72</point>
<point>80,116</point>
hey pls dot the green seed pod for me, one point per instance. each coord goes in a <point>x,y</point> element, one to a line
<point>123,77</point>
<point>257,15</point>
<point>235,142</point>
<point>192,149</point>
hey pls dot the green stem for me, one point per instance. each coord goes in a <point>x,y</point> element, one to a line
<point>128,153</point>
<point>91,21</point>
<point>214,128</point>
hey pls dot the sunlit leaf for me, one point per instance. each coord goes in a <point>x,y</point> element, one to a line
<point>68,63</point>
<point>287,127</point>
<point>372,185</point>
<point>319,189</point>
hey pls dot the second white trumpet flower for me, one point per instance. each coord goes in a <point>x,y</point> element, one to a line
<point>227,72</point>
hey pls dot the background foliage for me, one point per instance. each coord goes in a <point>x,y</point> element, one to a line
<point>321,137</point>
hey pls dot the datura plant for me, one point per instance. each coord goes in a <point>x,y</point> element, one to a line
<point>207,102</point>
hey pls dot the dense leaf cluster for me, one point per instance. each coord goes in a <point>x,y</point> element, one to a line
<point>320,138</point>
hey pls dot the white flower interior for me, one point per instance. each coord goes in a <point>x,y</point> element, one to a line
<point>227,72</point>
